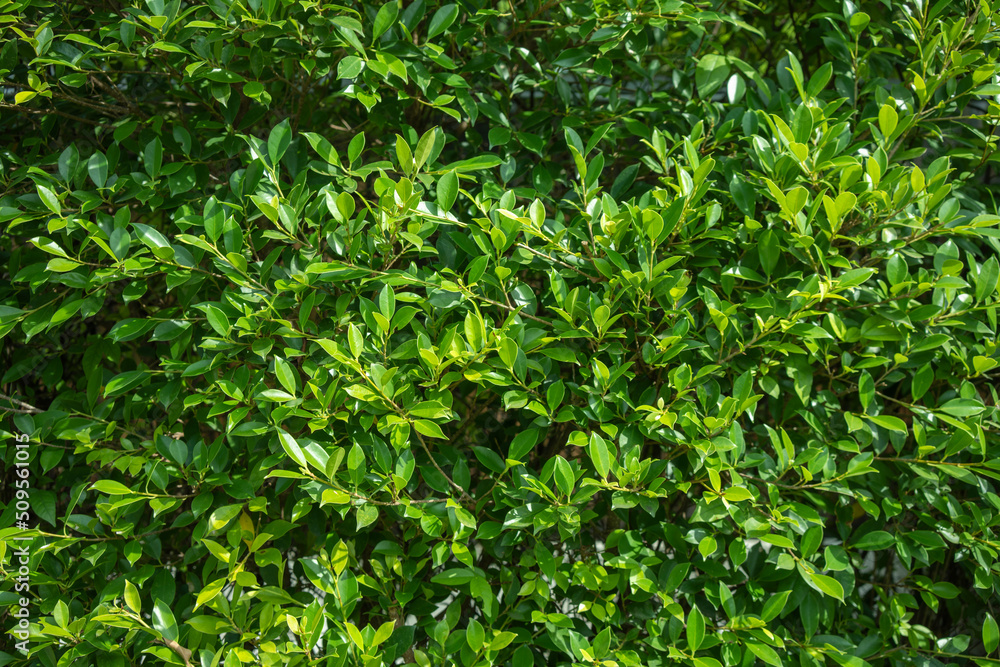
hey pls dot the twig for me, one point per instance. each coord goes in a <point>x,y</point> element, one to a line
<point>28,408</point>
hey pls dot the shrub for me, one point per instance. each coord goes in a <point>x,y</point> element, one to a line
<point>627,332</point>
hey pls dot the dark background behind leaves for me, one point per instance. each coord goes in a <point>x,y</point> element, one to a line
<point>528,333</point>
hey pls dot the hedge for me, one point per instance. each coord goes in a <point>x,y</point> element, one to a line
<point>612,332</point>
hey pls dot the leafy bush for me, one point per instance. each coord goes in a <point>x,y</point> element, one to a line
<point>629,332</point>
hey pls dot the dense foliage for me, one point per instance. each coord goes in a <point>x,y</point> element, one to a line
<point>631,332</point>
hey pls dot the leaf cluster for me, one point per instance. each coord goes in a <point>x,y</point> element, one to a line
<point>619,332</point>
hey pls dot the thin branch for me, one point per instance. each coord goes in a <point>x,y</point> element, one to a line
<point>26,408</point>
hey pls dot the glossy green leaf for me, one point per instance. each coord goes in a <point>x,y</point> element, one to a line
<point>278,141</point>
<point>286,375</point>
<point>877,539</point>
<point>385,19</point>
<point>827,585</point>
<point>97,169</point>
<point>695,628</point>
<point>991,634</point>
<point>565,479</point>
<point>164,622</point>
<point>442,20</point>
<point>475,635</point>
<point>447,190</point>
<point>132,598</point>
<point>774,606</point>
<point>50,199</point>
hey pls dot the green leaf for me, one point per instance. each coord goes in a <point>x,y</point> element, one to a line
<point>825,584</point>
<point>385,19</point>
<point>554,394</point>
<point>50,199</point>
<point>810,541</point>
<point>209,592</point>
<point>707,546</point>
<point>151,237</point>
<point>153,157</point>
<point>452,577</point>
<point>97,168</point>
<point>499,136</point>
<point>711,72</point>
<point>774,606</point>
<point>425,146</point>
<point>475,635</point>
<point>404,155</point>
<point>213,217</point>
<point>874,541</point>
<point>600,455</point>
<point>737,493</point>
<point>119,242</point>
<point>795,199</point>
<point>221,517</point>
<point>387,302</point>
<point>383,633</point>
<point>132,598</point>
<point>278,141</point>
<point>111,487</point>
<point>523,657</point>
<point>209,625</point>
<point>502,641</point>
<point>991,634</point>
<point>429,410</point>
<point>477,163</point>
<point>60,265</point>
<point>695,628</point>
<point>887,120</point>
<point>447,190</point>
<point>922,381</point>
<point>962,407</point>
<point>764,652</point>
<point>523,443</point>
<point>292,448</point>
<point>819,79</point>
<point>125,382</point>
<point>356,145</point>
<point>768,251</point>
<point>845,203</point>
<point>888,422</point>
<point>286,375</point>
<point>366,516</point>
<point>743,194</point>
<point>355,341</point>
<point>896,269</point>
<point>350,67</point>
<point>163,621</point>
<point>778,541</point>
<point>565,479</point>
<point>355,635</point>
<point>356,458</point>
<point>219,75</point>
<point>866,389</point>
<point>255,89</point>
<point>429,428</point>
<point>442,20</point>
<point>859,21</point>
<point>60,614</point>
<point>217,319</point>
<point>986,281</point>
<point>490,459</point>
